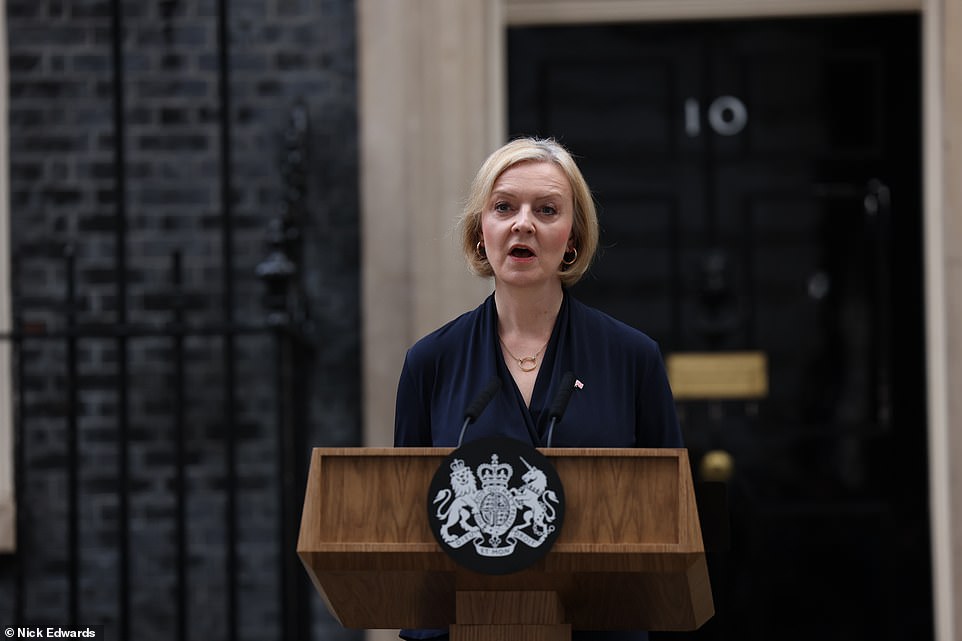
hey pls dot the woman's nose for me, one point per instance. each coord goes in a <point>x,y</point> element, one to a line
<point>524,221</point>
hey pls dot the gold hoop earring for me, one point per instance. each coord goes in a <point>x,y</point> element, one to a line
<point>479,250</point>
<point>571,262</point>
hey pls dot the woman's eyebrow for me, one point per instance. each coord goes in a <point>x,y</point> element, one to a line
<point>550,193</point>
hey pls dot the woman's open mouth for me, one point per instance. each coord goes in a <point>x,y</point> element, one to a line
<point>521,252</point>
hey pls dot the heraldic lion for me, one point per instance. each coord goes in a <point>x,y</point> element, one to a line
<point>465,489</point>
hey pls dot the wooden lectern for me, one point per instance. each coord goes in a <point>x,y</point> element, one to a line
<point>629,556</point>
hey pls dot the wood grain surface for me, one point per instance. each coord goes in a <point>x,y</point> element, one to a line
<point>629,555</point>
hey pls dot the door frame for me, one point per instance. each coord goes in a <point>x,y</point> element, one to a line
<point>432,87</point>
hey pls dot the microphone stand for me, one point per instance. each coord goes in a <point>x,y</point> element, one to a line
<point>467,421</point>
<point>554,419</point>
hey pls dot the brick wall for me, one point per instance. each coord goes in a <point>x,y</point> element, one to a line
<point>64,193</point>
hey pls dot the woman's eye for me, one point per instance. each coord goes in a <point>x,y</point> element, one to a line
<point>502,207</point>
<point>549,210</point>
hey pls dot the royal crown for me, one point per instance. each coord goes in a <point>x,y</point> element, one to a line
<point>494,473</point>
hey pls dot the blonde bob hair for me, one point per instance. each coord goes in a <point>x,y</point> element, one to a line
<point>584,229</point>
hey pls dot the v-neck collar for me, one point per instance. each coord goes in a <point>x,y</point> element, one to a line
<point>535,414</point>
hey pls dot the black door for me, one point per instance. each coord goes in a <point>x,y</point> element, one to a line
<point>759,189</point>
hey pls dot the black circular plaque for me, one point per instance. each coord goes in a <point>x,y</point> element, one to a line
<point>496,505</point>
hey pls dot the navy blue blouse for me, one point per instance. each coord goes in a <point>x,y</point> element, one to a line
<point>622,397</point>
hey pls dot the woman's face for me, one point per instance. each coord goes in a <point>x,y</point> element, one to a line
<point>526,223</point>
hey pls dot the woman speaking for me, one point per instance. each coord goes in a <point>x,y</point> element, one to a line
<point>530,223</point>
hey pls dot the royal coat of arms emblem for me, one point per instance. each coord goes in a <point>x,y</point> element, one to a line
<point>514,513</point>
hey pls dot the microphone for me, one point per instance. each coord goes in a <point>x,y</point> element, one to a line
<point>561,399</point>
<point>480,402</point>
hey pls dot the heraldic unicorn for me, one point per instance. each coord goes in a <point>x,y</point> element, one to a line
<point>496,517</point>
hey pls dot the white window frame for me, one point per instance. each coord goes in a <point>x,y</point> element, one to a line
<point>8,508</point>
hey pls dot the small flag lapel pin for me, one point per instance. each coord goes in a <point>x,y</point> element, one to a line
<point>579,384</point>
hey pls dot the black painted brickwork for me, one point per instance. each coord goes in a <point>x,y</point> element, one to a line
<point>64,192</point>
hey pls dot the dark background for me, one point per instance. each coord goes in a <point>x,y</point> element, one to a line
<point>161,427</point>
<point>797,235</point>
<point>185,245</point>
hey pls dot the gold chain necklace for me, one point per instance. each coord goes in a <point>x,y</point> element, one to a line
<point>532,361</point>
